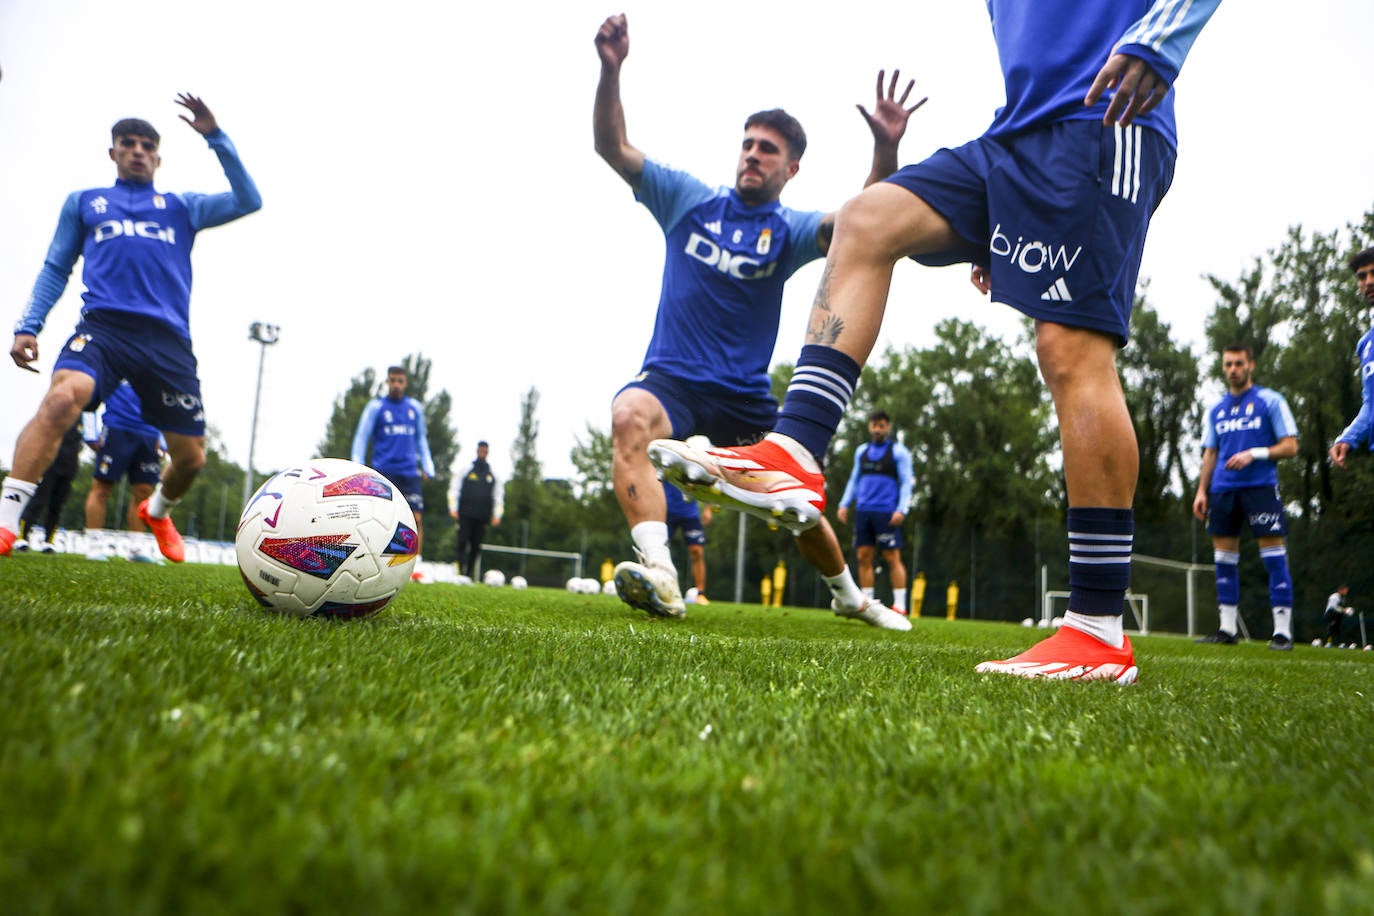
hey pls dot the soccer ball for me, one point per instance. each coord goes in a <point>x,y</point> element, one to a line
<point>518,582</point>
<point>494,577</point>
<point>608,587</point>
<point>328,538</point>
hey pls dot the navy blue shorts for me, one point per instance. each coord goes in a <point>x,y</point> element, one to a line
<point>723,417</point>
<point>1057,215</point>
<point>126,452</point>
<point>873,529</point>
<point>693,533</point>
<point>1259,506</point>
<point>408,485</point>
<point>158,362</point>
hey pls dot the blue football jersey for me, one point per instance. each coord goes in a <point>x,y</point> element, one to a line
<point>400,443</point>
<point>725,264</point>
<point>1051,51</point>
<point>1257,418</point>
<point>1359,430</point>
<point>136,243</point>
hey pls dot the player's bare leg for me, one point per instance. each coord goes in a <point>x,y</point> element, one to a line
<point>821,548</point>
<point>1101,464</point>
<point>187,455</point>
<point>651,585</point>
<point>68,394</point>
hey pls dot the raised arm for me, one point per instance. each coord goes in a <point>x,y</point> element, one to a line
<point>888,123</point>
<point>608,115</point>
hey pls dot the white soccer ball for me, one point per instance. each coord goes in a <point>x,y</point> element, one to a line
<point>608,587</point>
<point>327,538</point>
<point>463,580</point>
<point>573,584</point>
<point>1317,643</point>
<point>518,582</point>
<point>1028,622</point>
<point>494,577</point>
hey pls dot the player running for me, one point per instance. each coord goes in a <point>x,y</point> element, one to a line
<point>728,253</point>
<point>134,324</point>
<point>1051,206</point>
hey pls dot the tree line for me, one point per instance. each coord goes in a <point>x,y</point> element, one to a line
<point>988,510</point>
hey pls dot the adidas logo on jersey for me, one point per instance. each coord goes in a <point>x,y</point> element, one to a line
<point>1058,292</point>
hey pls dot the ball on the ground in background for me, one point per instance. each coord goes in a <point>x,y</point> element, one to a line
<point>463,580</point>
<point>494,577</point>
<point>326,538</point>
<point>608,587</point>
<point>1317,642</point>
<point>518,582</point>
<point>1028,622</point>
<point>573,584</point>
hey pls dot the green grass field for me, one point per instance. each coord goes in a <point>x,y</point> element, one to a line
<point>167,747</point>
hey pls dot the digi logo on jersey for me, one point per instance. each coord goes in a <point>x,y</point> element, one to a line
<point>735,265</point>
<point>1239,425</point>
<point>1032,257</point>
<point>144,229</point>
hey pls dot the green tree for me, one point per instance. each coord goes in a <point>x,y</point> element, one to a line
<point>1160,380</point>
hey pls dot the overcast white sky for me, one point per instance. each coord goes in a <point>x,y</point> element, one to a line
<point>429,182</point>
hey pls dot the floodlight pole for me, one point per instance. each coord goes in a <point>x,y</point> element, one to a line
<point>265,334</point>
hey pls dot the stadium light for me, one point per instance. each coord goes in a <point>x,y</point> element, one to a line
<point>265,334</point>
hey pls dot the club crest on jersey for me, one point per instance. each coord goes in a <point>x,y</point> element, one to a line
<point>79,343</point>
<point>159,202</point>
<point>765,241</point>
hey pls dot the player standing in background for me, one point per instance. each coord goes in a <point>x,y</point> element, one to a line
<point>1051,206</point>
<point>52,493</point>
<point>395,426</point>
<point>1361,429</point>
<point>478,501</point>
<point>125,447</point>
<point>134,325</point>
<point>879,489</point>
<point>728,253</point>
<point>1244,434</point>
<point>686,516</point>
<point>1336,609</point>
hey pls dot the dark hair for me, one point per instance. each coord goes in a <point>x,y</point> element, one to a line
<point>133,127</point>
<point>1361,259</point>
<point>483,444</point>
<point>783,123</point>
<point>395,370</point>
<point>878,415</point>
<point>1240,348</point>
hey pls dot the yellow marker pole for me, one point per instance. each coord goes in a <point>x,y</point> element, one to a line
<point>779,583</point>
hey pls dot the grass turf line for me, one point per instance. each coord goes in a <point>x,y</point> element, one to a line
<point>165,745</point>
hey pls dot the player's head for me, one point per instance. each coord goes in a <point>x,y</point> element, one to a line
<point>1237,364</point>
<point>133,149</point>
<point>879,425</point>
<point>396,382</point>
<point>769,156</point>
<point>482,450</point>
<point>1362,266</point>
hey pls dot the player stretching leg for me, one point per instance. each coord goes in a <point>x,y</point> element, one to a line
<point>1051,206</point>
<point>728,253</point>
<point>136,242</point>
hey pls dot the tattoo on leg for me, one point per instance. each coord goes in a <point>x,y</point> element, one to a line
<point>827,332</point>
<point>632,492</point>
<point>822,303</point>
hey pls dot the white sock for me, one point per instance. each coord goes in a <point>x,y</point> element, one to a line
<point>796,450</point>
<point>1107,629</point>
<point>845,591</point>
<point>1283,622</point>
<point>868,592</point>
<point>158,505</point>
<point>651,540</point>
<point>14,496</point>
<point>1228,618</point>
<point>899,598</point>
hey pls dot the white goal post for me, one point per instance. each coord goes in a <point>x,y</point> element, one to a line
<point>576,558</point>
<point>1138,603</point>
